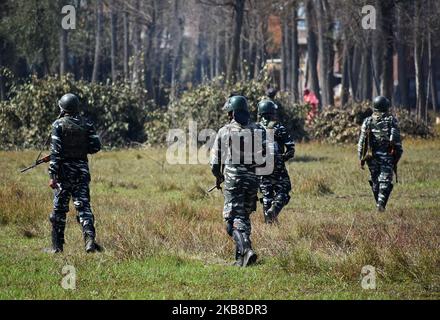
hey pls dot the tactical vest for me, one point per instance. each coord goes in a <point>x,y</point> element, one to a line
<point>74,138</point>
<point>380,128</point>
<point>270,125</point>
<point>241,145</point>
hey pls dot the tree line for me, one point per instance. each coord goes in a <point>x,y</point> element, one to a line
<point>169,46</point>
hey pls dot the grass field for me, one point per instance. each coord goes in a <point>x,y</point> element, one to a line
<point>165,239</point>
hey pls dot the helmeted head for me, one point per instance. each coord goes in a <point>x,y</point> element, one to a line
<point>271,92</point>
<point>267,108</point>
<point>237,107</point>
<point>69,103</point>
<point>381,104</point>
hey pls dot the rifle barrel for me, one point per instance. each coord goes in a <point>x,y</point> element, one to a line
<point>28,168</point>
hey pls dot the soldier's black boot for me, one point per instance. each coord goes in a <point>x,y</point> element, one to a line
<point>57,241</point>
<point>384,196</point>
<point>244,248</point>
<point>273,213</point>
<point>250,257</point>
<point>57,235</point>
<point>89,239</point>
<point>238,259</point>
<point>267,215</point>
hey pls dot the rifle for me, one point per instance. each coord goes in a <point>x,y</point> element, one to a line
<point>394,154</point>
<point>366,148</point>
<point>212,189</point>
<point>216,186</point>
<point>45,159</point>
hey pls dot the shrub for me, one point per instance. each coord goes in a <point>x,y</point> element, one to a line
<point>204,104</point>
<point>119,112</point>
<point>342,125</point>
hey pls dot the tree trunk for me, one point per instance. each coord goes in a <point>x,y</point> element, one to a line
<point>126,46</point>
<point>387,13</point>
<point>367,80</point>
<point>99,27</point>
<point>235,52</point>
<point>295,56</point>
<point>402,53</point>
<point>114,32</point>
<point>177,49</point>
<point>284,56</point>
<point>312,53</point>
<point>345,81</point>
<point>323,55</point>
<point>418,61</point>
<point>63,52</point>
<point>432,68</point>
<point>355,70</point>
<point>2,81</point>
<point>137,52</point>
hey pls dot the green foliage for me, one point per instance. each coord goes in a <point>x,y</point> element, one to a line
<point>119,112</point>
<point>204,104</point>
<point>33,27</point>
<point>342,125</point>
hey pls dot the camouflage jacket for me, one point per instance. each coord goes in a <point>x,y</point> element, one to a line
<point>236,146</point>
<point>84,135</point>
<point>380,134</point>
<point>284,145</point>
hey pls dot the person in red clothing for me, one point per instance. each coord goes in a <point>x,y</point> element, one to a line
<point>311,99</point>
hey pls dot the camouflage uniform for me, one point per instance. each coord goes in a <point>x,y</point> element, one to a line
<point>382,132</point>
<point>276,187</point>
<point>73,137</point>
<point>241,182</point>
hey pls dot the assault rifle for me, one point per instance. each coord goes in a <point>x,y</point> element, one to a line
<point>396,160</point>
<point>45,159</point>
<point>366,150</point>
<point>216,186</point>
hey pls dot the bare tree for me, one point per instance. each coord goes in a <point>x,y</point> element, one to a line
<point>99,31</point>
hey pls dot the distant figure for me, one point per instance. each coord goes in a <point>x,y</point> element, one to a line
<point>73,138</point>
<point>311,99</point>
<point>271,94</point>
<point>276,186</point>
<point>380,147</point>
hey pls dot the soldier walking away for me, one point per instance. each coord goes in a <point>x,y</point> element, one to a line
<point>276,186</point>
<point>380,147</point>
<point>228,163</point>
<point>73,138</point>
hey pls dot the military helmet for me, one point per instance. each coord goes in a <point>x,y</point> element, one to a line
<point>381,104</point>
<point>69,103</point>
<point>235,104</point>
<point>267,107</point>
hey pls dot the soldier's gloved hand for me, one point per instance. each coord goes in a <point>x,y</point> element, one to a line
<point>53,183</point>
<point>219,181</point>
<point>362,165</point>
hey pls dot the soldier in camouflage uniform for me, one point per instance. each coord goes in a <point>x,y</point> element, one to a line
<point>275,187</point>
<point>230,163</point>
<point>381,148</point>
<point>73,138</point>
